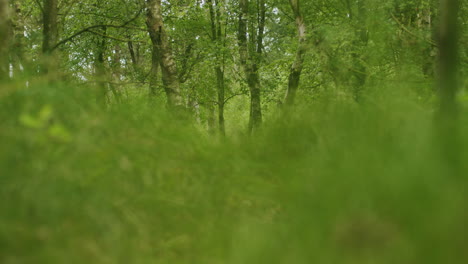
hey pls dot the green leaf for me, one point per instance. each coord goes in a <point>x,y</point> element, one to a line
<point>59,132</point>
<point>46,113</point>
<point>30,122</point>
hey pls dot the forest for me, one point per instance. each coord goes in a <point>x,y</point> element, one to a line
<point>233,131</point>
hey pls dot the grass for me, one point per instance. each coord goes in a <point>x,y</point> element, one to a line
<point>336,182</point>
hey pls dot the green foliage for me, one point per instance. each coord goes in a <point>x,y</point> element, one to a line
<point>336,182</point>
<point>44,123</point>
<point>358,171</point>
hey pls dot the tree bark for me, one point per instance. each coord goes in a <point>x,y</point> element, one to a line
<point>217,39</point>
<point>153,84</point>
<point>100,71</point>
<point>250,51</point>
<point>297,66</point>
<point>448,123</point>
<point>221,97</point>
<point>426,24</point>
<point>116,74</point>
<point>160,40</point>
<point>131,49</point>
<point>359,70</point>
<point>49,32</point>
<point>4,40</point>
<point>448,56</point>
<point>18,61</point>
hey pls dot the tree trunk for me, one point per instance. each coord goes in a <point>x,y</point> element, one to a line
<point>449,129</point>
<point>428,60</point>
<point>250,51</point>
<point>448,55</point>
<point>19,62</point>
<point>359,70</point>
<point>135,59</point>
<point>153,84</point>
<point>49,32</point>
<point>297,66</point>
<point>166,59</point>
<point>221,94</point>
<point>218,40</point>
<point>100,71</point>
<point>220,75</point>
<point>134,55</point>
<point>116,74</point>
<point>4,40</point>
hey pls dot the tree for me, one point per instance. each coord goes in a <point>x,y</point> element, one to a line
<point>191,59</point>
<point>4,39</point>
<point>359,68</point>
<point>49,31</point>
<point>448,55</point>
<point>297,66</point>
<point>219,41</point>
<point>162,53</point>
<point>19,44</point>
<point>100,69</point>
<point>250,41</point>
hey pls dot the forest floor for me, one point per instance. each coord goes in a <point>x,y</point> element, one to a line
<point>335,182</point>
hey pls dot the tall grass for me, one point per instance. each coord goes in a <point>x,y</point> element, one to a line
<point>332,182</point>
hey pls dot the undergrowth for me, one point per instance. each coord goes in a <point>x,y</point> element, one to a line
<point>331,182</point>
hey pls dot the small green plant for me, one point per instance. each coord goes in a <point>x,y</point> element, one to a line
<point>44,123</point>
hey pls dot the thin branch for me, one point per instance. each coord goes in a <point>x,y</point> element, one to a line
<point>88,29</point>
<point>40,6</point>
<point>290,18</point>
<point>411,33</point>
<point>91,14</point>
<point>115,38</point>
<point>225,101</point>
<point>232,96</point>
<point>70,6</point>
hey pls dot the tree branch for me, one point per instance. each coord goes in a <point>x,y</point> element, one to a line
<point>89,29</point>
<point>40,6</point>
<point>411,33</point>
<point>114,38</point>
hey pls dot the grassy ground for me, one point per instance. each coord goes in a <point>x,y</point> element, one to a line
<point>336,182</point>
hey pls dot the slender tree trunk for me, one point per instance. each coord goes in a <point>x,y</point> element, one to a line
<point>100,71</point>
<point>218,40</point>
<point>166,59</point>
<point>153,84</point>
<point>297,66</point>
<point>256,106</point>
<point>250,51</point>
<point>253,82</point>
<point>116,74</point>
<point>19,63</point>
<point>49,32</point>
<point>133,50</point>
<point>193,103</point>
<point>4,40</point>
<point>426,24</point>
<point>211,115</point>
<point>448,55</point>
<point>211,111</point>
<point>359,67</point>
<point>221,98</point>
<point>220,73</point>
<point>449,129</point>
